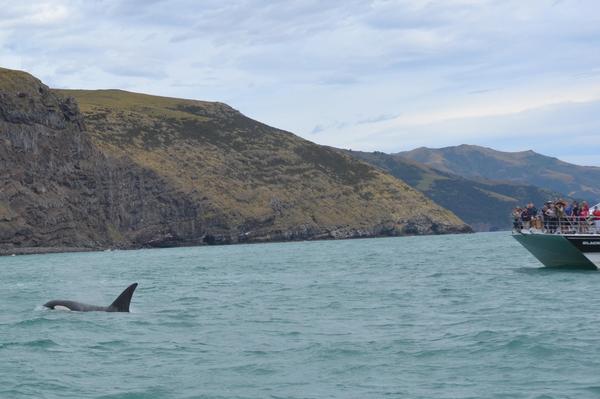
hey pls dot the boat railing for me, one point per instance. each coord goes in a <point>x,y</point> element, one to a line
<point>558,225</point>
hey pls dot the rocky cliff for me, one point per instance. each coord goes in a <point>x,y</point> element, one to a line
<point>58,190</point>
<point>133,170</point>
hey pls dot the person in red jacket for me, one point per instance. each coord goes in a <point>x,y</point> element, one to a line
<point>584,213</point>
<point>585,210</point>
<point>596,214</point>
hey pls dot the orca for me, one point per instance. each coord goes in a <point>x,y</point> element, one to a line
<point>121,304</point>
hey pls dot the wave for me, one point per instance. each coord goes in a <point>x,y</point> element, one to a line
<point>36,343</point>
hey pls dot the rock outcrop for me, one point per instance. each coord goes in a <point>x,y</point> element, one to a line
<point>58,190</point>
<point>136,171</point>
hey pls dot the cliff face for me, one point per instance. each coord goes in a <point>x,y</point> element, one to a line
<point>58,190</point>
<point>135,170</point>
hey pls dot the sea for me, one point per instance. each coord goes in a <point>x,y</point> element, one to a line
<point>458,316</point>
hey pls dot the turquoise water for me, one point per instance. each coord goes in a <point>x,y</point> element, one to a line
<point>419,317</point>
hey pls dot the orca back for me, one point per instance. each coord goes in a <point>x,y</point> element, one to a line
<point>74,306</point>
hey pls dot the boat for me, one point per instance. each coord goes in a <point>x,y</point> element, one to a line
<point>570,243</point>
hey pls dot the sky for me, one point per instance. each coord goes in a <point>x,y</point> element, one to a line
<point>366,75</point>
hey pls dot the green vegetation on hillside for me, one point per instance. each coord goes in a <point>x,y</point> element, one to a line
<point>525,167</point>
<point>483,204</point>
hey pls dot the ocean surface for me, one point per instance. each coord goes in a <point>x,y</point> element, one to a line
<point>464,316</point>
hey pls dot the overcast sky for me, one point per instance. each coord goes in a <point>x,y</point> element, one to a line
<point>367,75</point>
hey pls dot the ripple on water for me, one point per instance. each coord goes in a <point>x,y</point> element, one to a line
<point>37,343</point>
<point>153,392</point>
<point>34,322</point>
<point>338,319</point>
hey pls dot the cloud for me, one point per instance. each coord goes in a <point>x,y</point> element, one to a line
<point>317,129</point>
<point>143,71</point>
<point>33,15</point>
<point>377,118</point>
<point>377,74</point>
<point>567,130</point>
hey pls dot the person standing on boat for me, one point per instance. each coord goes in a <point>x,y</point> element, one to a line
<point>575,215</point>
<point>531,210</point>
<point>532,215</point>
<point>584,213</point>
<point>568,210</point>
<point>560,213</point>
<point>575,210</point>
<point>525,219</point>
<point>596,214</point>
<point>585,210</point>
<point>550,216</point>
<point>517,224</point>
<point>544,216</point>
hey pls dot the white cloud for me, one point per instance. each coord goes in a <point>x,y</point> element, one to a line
<point>380,74</point>
<point>566,130</point>
<point>33,15</point>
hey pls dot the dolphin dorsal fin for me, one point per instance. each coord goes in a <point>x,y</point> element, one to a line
<point>121,304</point>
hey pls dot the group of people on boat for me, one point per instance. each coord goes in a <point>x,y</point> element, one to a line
<point>558,216</point>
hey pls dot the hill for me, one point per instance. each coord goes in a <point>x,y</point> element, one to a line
<point>131,170</point>
<point>484,204</point>
<point>525,167</point>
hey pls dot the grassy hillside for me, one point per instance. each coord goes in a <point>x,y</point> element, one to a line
<point>525,167</point>
<point>252,181</point>
<point>483,204</point>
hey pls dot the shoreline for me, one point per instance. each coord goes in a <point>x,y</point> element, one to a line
<point>44,250</point>
<point>63,249</point>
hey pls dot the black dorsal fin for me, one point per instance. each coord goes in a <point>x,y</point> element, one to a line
<point>121,304</point>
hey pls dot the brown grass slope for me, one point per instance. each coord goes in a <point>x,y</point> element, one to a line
<point>255,182</point>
